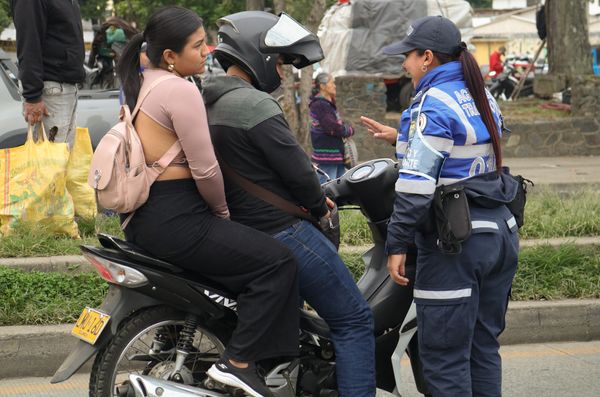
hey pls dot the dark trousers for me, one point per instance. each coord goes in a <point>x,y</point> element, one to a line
<point>176,225</point>
<point>461,304</point>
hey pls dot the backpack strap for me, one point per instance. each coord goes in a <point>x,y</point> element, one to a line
<point>159,166</point>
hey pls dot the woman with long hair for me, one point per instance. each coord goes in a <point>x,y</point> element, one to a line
<point>449,139</point>
<point>185,220</point>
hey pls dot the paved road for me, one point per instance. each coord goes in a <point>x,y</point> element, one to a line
<point>548,370</point>
<point>557,170</point>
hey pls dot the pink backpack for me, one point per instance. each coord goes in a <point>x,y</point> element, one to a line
<point>118,173</point>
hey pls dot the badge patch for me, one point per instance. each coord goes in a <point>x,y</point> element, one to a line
<point>422,122</point>
<point>409,30</point>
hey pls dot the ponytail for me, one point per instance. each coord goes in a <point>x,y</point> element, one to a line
<point>128,70</point>
<point>476,87</point>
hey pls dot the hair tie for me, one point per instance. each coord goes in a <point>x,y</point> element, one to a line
<point>463,45</point>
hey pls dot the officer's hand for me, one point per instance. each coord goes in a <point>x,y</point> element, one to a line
<point>395,266</point>
<point>34,112</point>
<point>379,130</point>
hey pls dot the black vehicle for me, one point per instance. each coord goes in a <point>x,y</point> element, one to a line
<point>503,85</point>
<point>160,327</point>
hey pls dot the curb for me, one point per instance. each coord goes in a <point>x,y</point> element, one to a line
<point>37,351</point>
<point>77,263</point>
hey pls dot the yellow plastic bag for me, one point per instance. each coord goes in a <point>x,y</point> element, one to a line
<point>84,198</point>
<point>33,186</point>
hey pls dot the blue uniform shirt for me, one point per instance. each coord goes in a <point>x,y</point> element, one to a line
<point>442,140</point>
<point>448,139</point>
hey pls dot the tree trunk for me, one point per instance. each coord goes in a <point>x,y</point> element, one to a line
<point>569,52</point>
<point>255,5</point>
<point>306,81</point>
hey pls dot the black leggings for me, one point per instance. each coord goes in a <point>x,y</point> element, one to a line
<point>176,225</point>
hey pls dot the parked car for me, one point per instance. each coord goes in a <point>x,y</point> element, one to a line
<point>97,110</point>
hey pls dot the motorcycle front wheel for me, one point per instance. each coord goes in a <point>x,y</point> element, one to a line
<point>146,344</point>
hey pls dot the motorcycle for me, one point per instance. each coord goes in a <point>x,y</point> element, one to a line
<point>160,327</point>
<point>503,85</point>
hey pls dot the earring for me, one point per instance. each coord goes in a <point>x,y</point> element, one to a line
<point>171,67</point>
<point>424,68</point>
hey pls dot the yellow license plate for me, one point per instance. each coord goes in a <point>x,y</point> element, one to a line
<point>90,324</point>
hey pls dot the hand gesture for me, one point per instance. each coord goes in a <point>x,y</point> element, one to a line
<point>380,131</point>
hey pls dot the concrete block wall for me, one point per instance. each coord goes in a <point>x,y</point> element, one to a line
<point>572,136</point>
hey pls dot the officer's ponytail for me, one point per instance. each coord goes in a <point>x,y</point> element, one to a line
<point>476,87</point>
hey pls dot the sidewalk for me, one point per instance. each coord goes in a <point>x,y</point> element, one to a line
<point>558,171</point>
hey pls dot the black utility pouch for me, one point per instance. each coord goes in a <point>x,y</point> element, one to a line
<point>452,218</point>
<point>517,206</point>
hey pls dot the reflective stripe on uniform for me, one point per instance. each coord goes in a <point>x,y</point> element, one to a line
<point>471,151</point>
<point>484,225</point>
<point>415,186</point>
<point>451,294</point>
<point>438,143</point>
<point>452,104</point>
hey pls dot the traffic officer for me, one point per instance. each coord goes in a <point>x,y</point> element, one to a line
<point>450,138</point>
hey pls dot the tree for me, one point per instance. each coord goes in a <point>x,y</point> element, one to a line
<point>5,14</point>
<point>139,11</point>
<point>569,52</point>
<point>95,10</point>
<point>255,5</point>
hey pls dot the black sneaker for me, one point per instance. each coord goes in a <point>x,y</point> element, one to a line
<point>246,379</point>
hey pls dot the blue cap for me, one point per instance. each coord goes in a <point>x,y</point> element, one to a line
<point>437,34</point>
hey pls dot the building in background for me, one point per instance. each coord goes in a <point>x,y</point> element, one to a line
<point>511,23</point>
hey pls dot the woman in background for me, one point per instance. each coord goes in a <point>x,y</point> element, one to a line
<point>327,129</point>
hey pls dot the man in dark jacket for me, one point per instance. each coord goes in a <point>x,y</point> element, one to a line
<point>252,138</point>
<point>51,53</point>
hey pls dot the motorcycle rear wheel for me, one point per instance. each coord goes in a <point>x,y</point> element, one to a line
<point>129,351</point>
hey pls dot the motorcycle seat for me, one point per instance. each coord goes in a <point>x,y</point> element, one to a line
<point>122,250</point>
<point>135,253</point>
<point>312,323</point>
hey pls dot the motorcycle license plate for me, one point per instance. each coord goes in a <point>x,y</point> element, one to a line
<point>90,324</point>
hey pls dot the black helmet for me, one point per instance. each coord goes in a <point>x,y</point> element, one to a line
<point>253,40</point>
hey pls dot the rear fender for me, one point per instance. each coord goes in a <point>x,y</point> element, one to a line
<point>119,303</point>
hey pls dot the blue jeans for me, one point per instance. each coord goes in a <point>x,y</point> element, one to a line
<point>327,285</point>
<point>333,170</point>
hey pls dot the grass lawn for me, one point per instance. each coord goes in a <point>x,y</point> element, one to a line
<point>53,298</point>
<point>548,214</point>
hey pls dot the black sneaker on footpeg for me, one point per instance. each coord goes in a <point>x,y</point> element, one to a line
<point>246,379</point>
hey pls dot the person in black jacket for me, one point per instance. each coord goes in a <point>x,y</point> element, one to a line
<point>51,53</point>
<point>252,138</point>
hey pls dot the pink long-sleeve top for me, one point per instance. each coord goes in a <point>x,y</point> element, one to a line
<point>177,105</point>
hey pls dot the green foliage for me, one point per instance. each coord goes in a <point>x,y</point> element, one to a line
<point>93,9</point>
<point>47,298</point>
<point>53,298</point>
<point>28,240</point>
<point>139,11</point>
<point>558,214</point>
<point>568,271</point>
<point>5,14</point>
<point>354,228</point>
<point>544,272</point>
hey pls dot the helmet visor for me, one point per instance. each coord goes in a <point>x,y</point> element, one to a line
<point>285,32</point>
